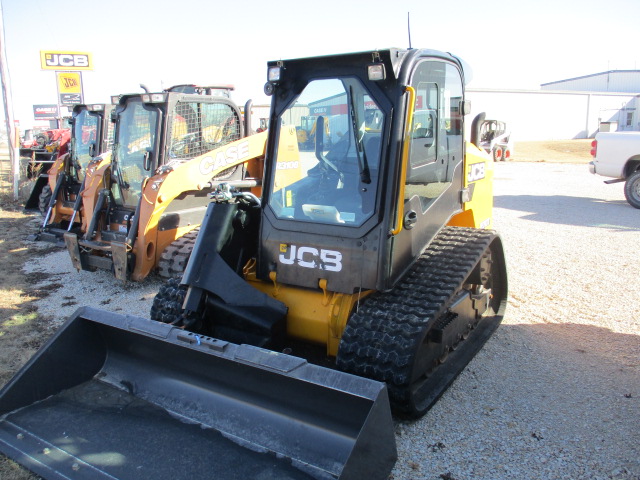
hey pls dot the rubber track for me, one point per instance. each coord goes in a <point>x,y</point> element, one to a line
<point>382,338</point>
<point>175,257</point>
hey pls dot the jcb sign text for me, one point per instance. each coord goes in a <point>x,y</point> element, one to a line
<point>65,60</point>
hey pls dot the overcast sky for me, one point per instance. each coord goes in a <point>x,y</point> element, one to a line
<point>509,44</point>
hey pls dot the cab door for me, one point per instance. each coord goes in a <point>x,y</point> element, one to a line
<point>433,178</point>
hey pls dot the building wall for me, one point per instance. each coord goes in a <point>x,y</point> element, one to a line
<point>626,81</point>
<point>555,115</point>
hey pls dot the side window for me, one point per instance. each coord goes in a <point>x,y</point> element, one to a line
<point>424,139</point>
<point>436,131</point>
<point>220,124</point>
<point>200,127</point>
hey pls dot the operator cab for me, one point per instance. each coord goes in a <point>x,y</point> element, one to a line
<point>376,177</point>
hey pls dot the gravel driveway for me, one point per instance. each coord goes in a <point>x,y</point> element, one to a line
<point>555,393</point>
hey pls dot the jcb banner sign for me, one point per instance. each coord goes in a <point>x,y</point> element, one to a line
<point>50,60</point>
<point>69,87</point>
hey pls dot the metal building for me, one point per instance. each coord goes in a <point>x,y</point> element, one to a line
<point>620,81</point>
<point>557,114</point>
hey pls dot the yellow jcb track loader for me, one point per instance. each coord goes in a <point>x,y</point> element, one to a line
<point>60,200</point>
<point>169,149</point>
<point>373,260</point>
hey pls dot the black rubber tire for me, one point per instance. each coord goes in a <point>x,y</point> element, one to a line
<point>632,189</point>
<point>44,199</point>
<point>175,257</point>
<point>497,153</point>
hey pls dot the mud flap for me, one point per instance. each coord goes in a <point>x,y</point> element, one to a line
<point>122,397</point>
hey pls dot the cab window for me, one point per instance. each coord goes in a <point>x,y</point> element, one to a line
<point>436,132</point>
<point>328,155</point>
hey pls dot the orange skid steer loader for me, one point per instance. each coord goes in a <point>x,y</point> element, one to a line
<point>60,199</point>
<point>170,149</point>
<point>363,280</point>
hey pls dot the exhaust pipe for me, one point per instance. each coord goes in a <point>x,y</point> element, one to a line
<point>121,397</point>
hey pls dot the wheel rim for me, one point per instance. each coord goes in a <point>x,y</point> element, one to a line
<point>635,189</point>
<point>632,190</point>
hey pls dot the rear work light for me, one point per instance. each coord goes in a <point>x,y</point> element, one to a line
<point>594,148</point>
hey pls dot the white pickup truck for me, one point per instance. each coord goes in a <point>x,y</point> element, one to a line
<point>617,155</point>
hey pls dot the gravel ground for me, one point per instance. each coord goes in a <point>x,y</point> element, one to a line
<point>555,392</point>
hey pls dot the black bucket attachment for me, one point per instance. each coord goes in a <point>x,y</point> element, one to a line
<point>121,397</point>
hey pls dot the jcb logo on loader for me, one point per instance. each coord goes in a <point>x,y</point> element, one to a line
<point>476,172</point>
<point>310,257</point>
<point>224,158</point>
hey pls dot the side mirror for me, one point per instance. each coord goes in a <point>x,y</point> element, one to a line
<point>475,128</point>
<point>465,107</point>
<point>92,149</point>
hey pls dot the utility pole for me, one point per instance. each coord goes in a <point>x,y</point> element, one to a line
<point>14,154</point>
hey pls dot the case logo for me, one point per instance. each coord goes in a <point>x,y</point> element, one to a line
<point>310,257</point>
<point>225,158</point>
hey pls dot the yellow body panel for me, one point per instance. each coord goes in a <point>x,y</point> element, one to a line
<point>478,178</point>
<point>315,316</point>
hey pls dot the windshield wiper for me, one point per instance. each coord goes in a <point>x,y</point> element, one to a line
<point>363,164</point>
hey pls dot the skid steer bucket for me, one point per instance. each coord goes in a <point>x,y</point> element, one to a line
<point>121,397</point>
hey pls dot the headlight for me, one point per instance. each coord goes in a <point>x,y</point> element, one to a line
<point>154,97</point>
<point>376,72</point>
<point>274,74</point>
